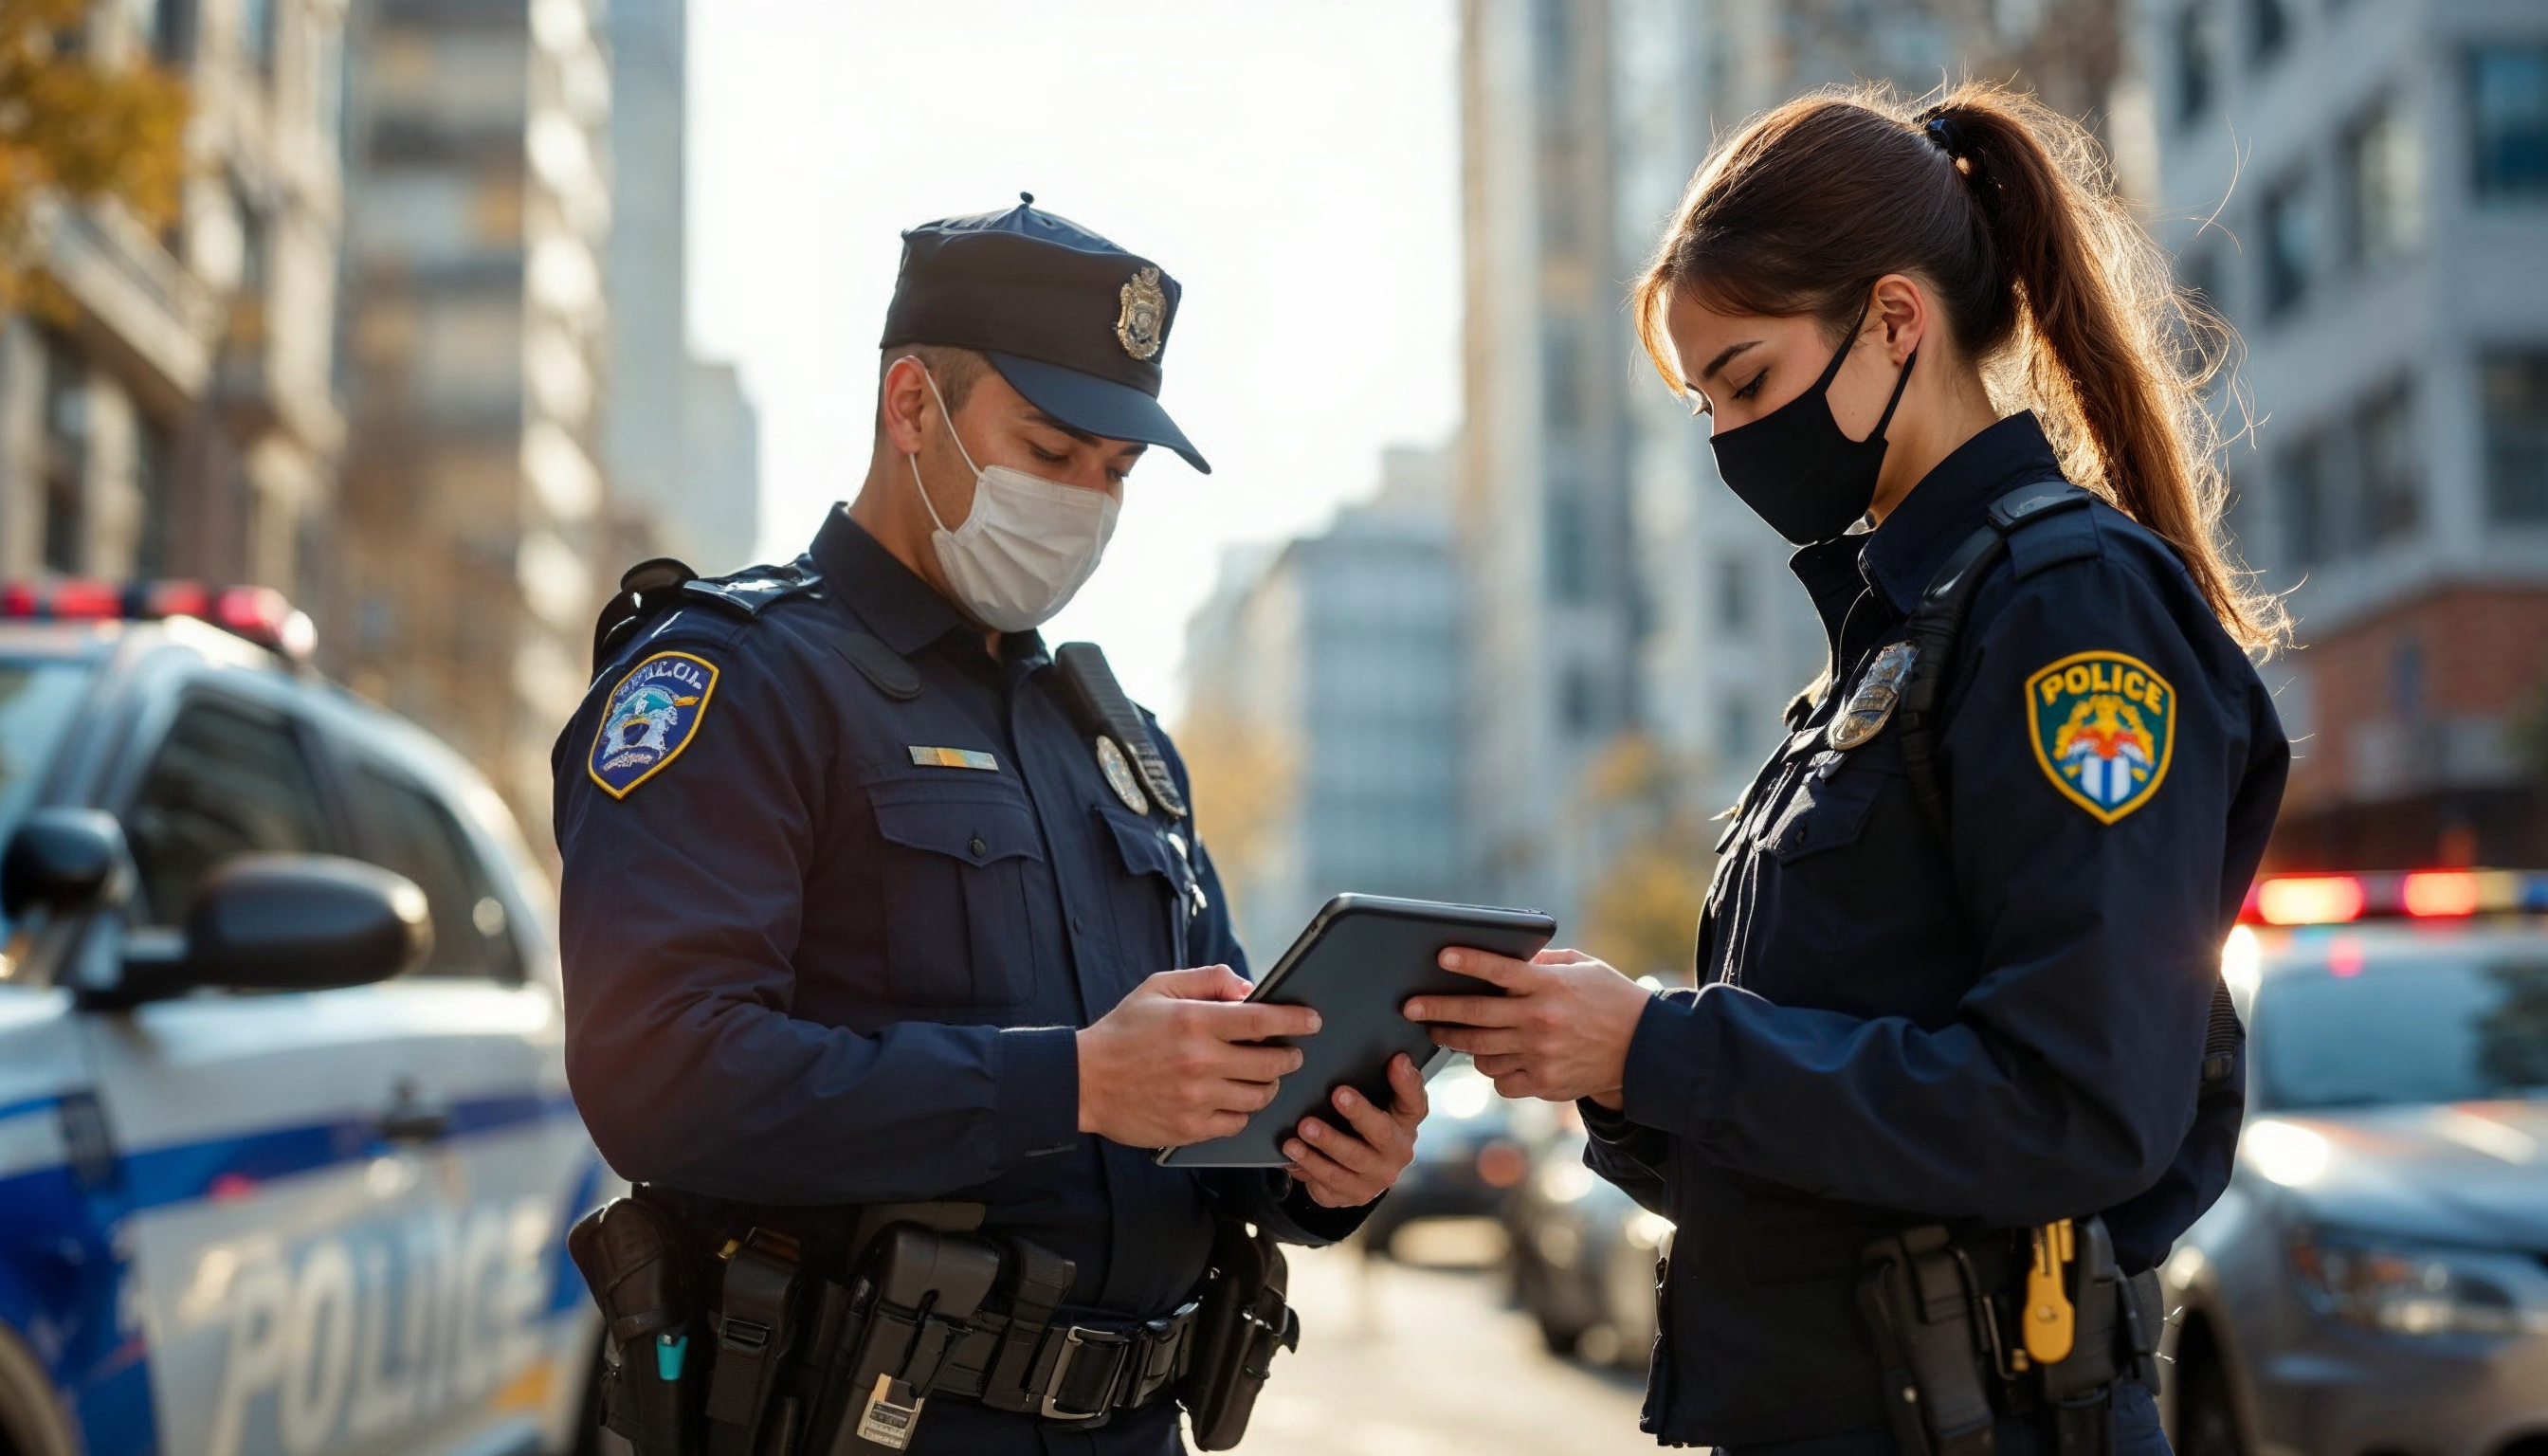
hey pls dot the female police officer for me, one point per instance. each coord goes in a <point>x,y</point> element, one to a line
<point>1956,974</point>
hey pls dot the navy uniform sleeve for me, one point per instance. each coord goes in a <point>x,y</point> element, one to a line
<point>1267,1198</point>
<point>680,910</point>
<point>2066,1081</point>
<point>1626,1154</point>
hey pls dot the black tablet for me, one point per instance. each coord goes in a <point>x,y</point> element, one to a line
<point>1362,958</point>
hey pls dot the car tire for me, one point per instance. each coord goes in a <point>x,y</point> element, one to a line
<point>1559,1340</point>
<point>2206,1422</point>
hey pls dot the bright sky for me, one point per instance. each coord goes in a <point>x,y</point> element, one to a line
<point>1295,165</point>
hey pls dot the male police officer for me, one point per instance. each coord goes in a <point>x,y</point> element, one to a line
<point>867,900</point>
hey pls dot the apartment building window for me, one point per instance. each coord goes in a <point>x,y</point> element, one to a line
<point>2202,275</point>
<point>2508,121</point>
<point>2291,243</point>
<point>65,460</point>
<point>2300,494</point>
<point>2392,505</point>
<point>170,27</point>
<point>153,466</point>
<point>1734,727</point>
<point>2384,182</point>
<point>1568,542</point>
<point>1560,381</point>
<point>1580,702</point>
<point>1733,593</point>
<point>2194,66</point>
<point>2269,30</point>
<point>257,35</point>
<point>2515,388</point>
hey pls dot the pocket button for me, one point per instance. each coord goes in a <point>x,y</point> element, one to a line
<point>977,848</point>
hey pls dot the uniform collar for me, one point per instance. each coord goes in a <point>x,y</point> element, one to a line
<point>1948,506</point>
<point>890,598</point>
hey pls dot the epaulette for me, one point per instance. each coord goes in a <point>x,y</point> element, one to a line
<point>755,590</point>
<point>651,586</point>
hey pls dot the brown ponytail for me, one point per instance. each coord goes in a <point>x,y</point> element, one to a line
<point>2007,210</point>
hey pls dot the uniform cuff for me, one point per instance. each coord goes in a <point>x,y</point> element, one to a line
<point>1038,1091</point>
<point>1674,1074</point>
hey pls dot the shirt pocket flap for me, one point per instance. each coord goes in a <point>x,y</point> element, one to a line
<point>978,824</point>
<point>1828,810</point>
<point>1144,849</point>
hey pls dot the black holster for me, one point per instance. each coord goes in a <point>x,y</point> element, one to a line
<point>1243,1321</point>
<point>1930,1327</point>
<point>1948,1339</point>
<point>640,1268</point>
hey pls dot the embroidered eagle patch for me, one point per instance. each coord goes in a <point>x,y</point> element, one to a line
<point>652,714</point>
<point>2103,725</point>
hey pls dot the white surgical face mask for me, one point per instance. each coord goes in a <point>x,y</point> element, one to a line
<point>1029,545</point>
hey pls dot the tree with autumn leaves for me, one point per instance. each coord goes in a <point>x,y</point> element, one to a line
<point>81,126</point>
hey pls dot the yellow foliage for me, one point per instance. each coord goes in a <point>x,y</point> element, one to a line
<point>1641,910</point>
<point>76,129</point>
<point>1242,778</point>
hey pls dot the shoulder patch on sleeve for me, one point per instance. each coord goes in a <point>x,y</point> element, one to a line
<point>650,715</point>
<point>2103,725</point>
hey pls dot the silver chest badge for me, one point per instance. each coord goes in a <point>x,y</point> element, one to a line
<point>1118,775</point>
<point>1871,707</point>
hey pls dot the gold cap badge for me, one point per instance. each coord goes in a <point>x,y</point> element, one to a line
<point>1145,315</point>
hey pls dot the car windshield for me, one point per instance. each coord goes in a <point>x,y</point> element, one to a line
<point>2425,1026</point>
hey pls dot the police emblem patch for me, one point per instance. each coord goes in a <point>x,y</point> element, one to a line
<point>1140,329</point>
<point>1118,775</point>
<point>2103,725</point>
<point>652,716</point>
<point>1871,707</point>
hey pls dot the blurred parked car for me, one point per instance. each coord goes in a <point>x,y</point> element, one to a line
<point>1467,1157</point>
<point>266,1184</point>
<point>2375,1277</point>
<point>1585,1255</point>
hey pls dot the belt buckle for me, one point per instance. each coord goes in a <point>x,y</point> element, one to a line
<point>1075,1339</point>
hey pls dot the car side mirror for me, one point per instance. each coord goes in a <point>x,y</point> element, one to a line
<point>288,923</point>
<point>63,860</point>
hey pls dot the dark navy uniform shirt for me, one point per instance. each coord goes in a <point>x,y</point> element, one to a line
<point>1998,1031</point>
<point>827,946</point>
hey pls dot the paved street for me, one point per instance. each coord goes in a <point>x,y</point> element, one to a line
<point>1402,1361</point>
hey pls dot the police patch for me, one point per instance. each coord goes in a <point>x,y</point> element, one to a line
<point>652,714</point>
<point>2103,726</point>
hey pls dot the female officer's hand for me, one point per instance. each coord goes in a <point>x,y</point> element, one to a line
<point>1560,1031</point>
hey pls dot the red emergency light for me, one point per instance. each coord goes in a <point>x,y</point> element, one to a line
<point>2419,894</point>
<point>261,614</point>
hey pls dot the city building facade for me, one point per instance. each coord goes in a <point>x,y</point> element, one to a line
<point>679,438</point>
<point>1324,707</point>
<point>173,411</point>
<point>2362,189</point>
<point>479,535</point>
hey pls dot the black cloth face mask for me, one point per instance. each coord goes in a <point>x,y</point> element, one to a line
<point>1796,468</point>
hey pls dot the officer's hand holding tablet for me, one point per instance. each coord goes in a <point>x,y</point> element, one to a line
<point>1556,1026</point>
<point>1345,979</point>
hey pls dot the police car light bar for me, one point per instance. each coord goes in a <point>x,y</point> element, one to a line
<point>261,614</point>
<point>2420,895</point>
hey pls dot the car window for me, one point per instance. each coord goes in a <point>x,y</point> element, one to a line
<point>230,779</point>
<point>418,837</point>
<point>2420,1029</point>
<point>38,702</point>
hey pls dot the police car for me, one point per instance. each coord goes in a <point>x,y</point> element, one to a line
<point>2375,1279</point>
<point>275,1176</point>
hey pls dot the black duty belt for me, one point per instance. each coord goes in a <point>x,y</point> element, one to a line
<point>1072,1367</point>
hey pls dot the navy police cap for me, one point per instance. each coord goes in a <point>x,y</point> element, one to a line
<point>1073,323</point>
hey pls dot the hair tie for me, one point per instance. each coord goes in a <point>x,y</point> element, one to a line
<point>1942,133</point>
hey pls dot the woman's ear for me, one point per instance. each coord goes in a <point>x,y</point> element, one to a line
<point>1901,310</point>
